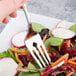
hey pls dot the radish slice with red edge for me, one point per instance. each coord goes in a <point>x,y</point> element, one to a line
<point>63,33</point>
<point>52,69</point>
<point>18,39</point>
<point>8,67</point>
<point>61,24</point>
<point>26,69</point>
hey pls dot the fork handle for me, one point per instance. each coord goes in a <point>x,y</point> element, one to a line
<point>27,14</point>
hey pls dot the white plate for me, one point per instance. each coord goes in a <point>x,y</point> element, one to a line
<point>19,23</point>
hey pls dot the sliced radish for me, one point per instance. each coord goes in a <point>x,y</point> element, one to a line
<point>26,69</point>
<point>18,39</point>
<point>16,74</point>
<point>63,33</point>
<point>61,24</point>
<point>52,69</point>
<point>7,67</point>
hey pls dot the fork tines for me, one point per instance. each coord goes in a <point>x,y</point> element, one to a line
<point>34,45</point>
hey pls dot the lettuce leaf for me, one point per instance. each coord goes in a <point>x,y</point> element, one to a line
<point>29,74</point>
<point>8,53</point>
<point>37,27</point>
<point>53,41</point>
<point>73,28</point>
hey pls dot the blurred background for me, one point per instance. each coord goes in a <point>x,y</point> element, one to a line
<point>61,9</point>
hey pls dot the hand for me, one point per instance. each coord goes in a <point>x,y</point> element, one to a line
<point>8,8</point>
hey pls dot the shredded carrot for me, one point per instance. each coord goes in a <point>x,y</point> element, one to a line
<point>29,36</point>
<point>69,74</point>
<point>16,51</point>
<point>75,40</point>
<point>38,51</point>
<point>48,48</point>
<point>71,62</point>
<point>73,69</point>
<point>71,44</point>
<point>73,54</point>
<point>44,38</point>
<point>42,49</point>
<point>73,59</point>
<point>51,63</point>
<point>27,52</point>
<point>50,55</point>
<point>64,57</point>
<point>18,59</point>
<point>68,43</point>
<point>22,50</point>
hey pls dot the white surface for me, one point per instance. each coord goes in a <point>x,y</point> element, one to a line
<point>19,24</point>
<point>8,67</point>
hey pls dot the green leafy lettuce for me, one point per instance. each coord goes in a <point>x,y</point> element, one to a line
<point>73,28</point>
<point>8,53</point>
<point>53,41</point>
<point>28,73</point>
<point>37,27</point>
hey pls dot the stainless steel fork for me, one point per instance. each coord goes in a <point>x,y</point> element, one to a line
<point>36,39</point>
<point>38,42</point>
<point>28,20</point>
<point>42,59</point>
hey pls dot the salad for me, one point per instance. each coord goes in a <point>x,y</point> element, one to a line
<point>60,44</point>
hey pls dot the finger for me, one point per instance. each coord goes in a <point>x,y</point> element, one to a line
<point>14,14</point>
<point>21,7</point>
<point>6,20</point>
<point>22,2</point>
<point>25,4</point>
<point>19,3</point>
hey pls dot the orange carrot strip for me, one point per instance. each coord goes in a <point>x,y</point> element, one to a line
<point>68,43</point>
<point>38,51</point>
<point>64,57</point>
<point>18,59</point>
<point>42,49</point>
<point>22,50</point>
<point>73,69</point>
<point>50,55</point>
<point>69,74</point>
<point>75,40</point>
<point>14,50</point>
<point>48,48</point>
<point>73,54</point>
<point>27,52</point>
<point>71,44</point>
<point>73,59</point>
<point>44,38</point>
<point>71,62</point>
<point>51,63</point>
